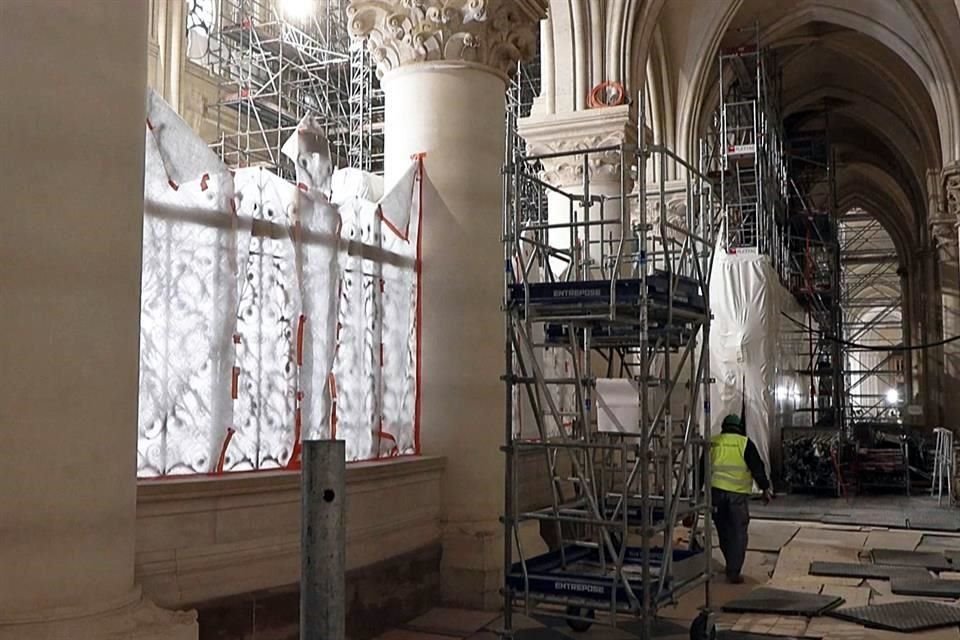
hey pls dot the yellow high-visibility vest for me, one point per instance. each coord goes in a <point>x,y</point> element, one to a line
<point>730,471</point>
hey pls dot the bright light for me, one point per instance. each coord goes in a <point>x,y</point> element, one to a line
<point>893,396</point>
<point>782,393</point>
<point>297,9</point>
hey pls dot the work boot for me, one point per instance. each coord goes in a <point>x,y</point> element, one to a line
<point>735,579</point>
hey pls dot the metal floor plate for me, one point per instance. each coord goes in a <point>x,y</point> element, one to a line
<point>915,615</point>
<point>768,600</point>
<point>926,587</point>
<point>851,570</point>
<point>866,519</point>
<point>925,559</point>
<point>934,521</point>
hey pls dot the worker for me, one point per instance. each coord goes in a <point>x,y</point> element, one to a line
<point>736,464</point>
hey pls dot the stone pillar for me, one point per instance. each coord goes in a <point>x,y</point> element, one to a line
<point>949,257</point>
<point>925,314</point>
<point>74,76</point>
<point>547,133</point>
<point>443,66</point>
<point>571,131</point>
<point>943,227</point>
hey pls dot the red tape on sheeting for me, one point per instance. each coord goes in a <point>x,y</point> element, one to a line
<point>384,435</point>
<point>173,185</point>
<point>300,327</point>
<point>332,380</point>
<point>403,235</point>
<point>149,124</point>
<point>203,182</point>
<point>235,382</point>
<point>223,449</point>
<point>294,462</point>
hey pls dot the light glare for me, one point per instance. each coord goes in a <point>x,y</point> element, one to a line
<point>297,9</point>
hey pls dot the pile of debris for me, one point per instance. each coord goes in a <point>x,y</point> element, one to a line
<point>810,460</point>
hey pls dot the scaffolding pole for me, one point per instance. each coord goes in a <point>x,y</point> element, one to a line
<point>274,69</point>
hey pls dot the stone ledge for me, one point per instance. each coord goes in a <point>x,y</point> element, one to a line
<point>194,487</point>
<point>201,538</point>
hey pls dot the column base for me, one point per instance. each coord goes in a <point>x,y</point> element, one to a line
<point>134,619</point>
<point>471,571</point>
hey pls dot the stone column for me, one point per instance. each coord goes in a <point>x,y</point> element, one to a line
<point>943,227</point>
<point>443,66</point>
<point>547,133</point>
<point>925,313</point>
<point>74,76</point>
<point>572,131</point>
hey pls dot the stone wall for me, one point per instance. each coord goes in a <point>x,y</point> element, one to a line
<point>380,596</point>
<point>200,540</point>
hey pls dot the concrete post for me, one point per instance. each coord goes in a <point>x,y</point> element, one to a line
<point>323,541</point>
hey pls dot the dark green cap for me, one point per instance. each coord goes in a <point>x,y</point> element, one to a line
<point>733,420</point>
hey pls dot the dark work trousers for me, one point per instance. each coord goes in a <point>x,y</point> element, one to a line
<point>731,515</point>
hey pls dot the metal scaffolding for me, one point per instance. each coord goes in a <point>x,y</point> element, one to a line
<point>812,266</point>
<point>275,68</point>
<point>874,382</point>
<point>749,153</point>
<point>778,195</point>
<point>593,302</point>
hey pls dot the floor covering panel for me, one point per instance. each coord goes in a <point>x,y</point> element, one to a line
<point>915,615</point>
<point>768,600</point>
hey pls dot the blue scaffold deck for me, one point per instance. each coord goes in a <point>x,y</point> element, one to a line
<point>585,578</point>
<point>585,296</point>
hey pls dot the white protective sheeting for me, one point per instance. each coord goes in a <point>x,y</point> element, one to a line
<point>270,304</point>
<point>258,296</point>
<point>618,405</point>
<point>194,250</point>
<point>746,299</point>
<point>355,184</point>
<point>375,366</point>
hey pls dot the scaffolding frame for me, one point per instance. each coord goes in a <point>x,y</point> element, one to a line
<point>273,70</point>
<point>631,300</point>
<point>749,151</point>
<point>812,270</point>
<point>870,271</point>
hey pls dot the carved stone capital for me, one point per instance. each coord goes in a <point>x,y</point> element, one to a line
<point>951,191</point>
<point>944,229</point>
<point>573,131</point>
<point>676,211</point>
<point>492,33</point>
